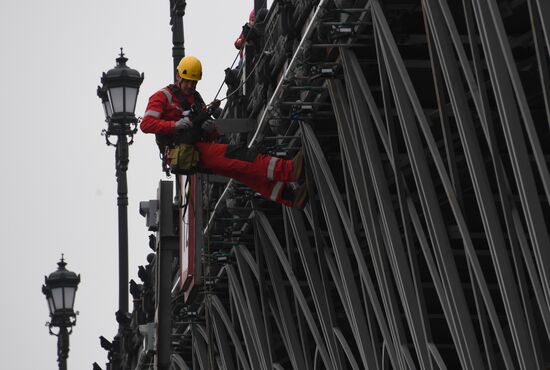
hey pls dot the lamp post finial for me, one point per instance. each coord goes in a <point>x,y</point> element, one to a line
<point>62,262</point>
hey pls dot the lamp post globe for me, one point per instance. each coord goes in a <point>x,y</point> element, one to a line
<point>60,291</point>
<point>107,109</point>
<point>121,86</point>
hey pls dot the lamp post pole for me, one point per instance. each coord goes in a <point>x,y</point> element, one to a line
<point>62,347</point>
<point>122,159</point>
<point>177,11</point>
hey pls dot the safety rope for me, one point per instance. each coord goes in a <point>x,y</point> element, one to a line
<point>221,85</point>
<point>256,63</point>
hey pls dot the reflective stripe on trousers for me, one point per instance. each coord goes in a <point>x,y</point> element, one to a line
<point>271,167</point>
<point>276,191</point>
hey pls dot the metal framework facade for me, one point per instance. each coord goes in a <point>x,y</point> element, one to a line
<point>425,243</point>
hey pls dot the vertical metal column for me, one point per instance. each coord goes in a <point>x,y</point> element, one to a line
<point>62,347</point>
<point>121,157</point>
<point>177,11</point>
<point>168,244</point>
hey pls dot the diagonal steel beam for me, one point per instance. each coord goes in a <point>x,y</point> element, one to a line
<point>532,271</point>
<point>483,111</point>
<point>222,340</point>
<point>288,326</point>
<point>542,54</point>
<point>480,181</point>
<point>350,145</point>
<point>314,279</point>
<point>528,123</point>
<point>404,96</point>
<point>276,316</point>
<point>544,14</point>
<point>355,160</point>
<point>245,319</point>
<point>396,250</point>
<point>437,356</point>
<point>292,245</point>
<point>346,348</point>
<point>336,217</point>
<point>235,341</point>
<point>199,348</point>
<point>253,308</point>
<point>407,103</point>
<point>321,347</point>
<point>505,82</point>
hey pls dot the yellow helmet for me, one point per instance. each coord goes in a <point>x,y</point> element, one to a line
<point>190,68</point>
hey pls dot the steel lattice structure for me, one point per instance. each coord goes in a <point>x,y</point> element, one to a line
<point>425,243</point>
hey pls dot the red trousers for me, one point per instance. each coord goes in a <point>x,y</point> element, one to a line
<point>265,175</point>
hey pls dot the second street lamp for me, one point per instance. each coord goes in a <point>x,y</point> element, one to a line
<point>118,96</point>
<point>60,289</point>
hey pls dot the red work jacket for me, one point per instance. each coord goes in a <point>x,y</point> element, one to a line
<point>163,111</point>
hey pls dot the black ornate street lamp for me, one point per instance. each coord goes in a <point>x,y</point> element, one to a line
<point>60,289</point>
<point>118,94</point>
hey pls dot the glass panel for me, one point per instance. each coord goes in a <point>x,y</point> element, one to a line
<point>107,109</point>
<point>116,97</point>
<point>50,305</point>
<point>69,298</point>
<point>131,96</point>
<point>57,295</point>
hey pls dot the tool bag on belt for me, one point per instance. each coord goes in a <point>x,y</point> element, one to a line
<point>183,159</point>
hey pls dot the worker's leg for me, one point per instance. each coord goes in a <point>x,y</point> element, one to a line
<point>212,157</point>
<point>237,159</point>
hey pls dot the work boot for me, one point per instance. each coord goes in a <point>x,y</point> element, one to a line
<point>300,197</point>
<point>298,166</point>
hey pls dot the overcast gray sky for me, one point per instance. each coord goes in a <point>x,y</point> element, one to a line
<point>58,188</point>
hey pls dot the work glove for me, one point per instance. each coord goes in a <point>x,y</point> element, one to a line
<point>184,124</point>
<point>208,126</point>
<point>214,108</point>
<point>246,29</point>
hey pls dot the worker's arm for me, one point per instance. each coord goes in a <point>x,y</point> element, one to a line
<point>152,122</point>
<point>239,42</point>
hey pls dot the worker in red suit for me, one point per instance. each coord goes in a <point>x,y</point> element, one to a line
<point>239,42</point>
<point>168,115</point>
